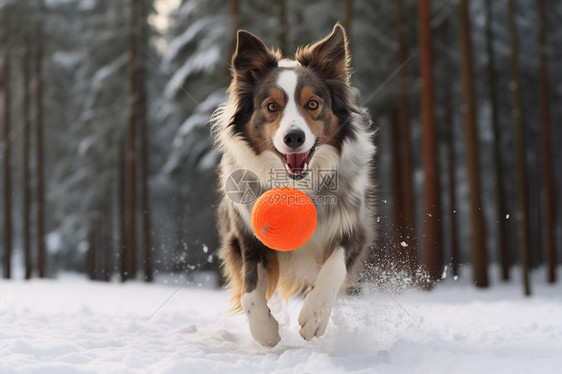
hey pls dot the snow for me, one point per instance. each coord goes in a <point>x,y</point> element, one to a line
<point>75,326</point>
<point>184,39</point>
<point>66,59</point>
<point>204,60</point>
<point>109,70</point>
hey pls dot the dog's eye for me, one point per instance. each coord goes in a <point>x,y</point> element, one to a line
<point>312,105</point>
<point>272,107</point>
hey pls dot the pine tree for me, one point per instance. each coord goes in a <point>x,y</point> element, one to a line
<point>6,147</point>
<point>432,256</point>
<point>283,27</point>
<point>405,151</point>
<point>452,164</point>
<point>39,153</point>
<point>195,63</point>
<point>121,212</point>
<point>478,240</point>
<point>26,185</point>
<point>131,155</point>
<point>549,203</point>
<point>397,186</point>
<point>522,213</point>
<point>500,192</point>
<point>144,149</point>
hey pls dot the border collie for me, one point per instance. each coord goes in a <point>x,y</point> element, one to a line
<point>294,122</point>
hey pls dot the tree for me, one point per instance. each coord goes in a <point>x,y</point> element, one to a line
<point>549,203</point>
<point>26,185</point>
<point>452,162</point>
<point>500,192</point>
<point>432,256</point>
<point>522,212</point>
<point>448,101</point>
<point>6,149</point>
<point>39,154</point>
<point>447,78</point>
<point>478,241</point>
<point>283,28</point>
<point>397,185</point>
<point>94,72</point>
<point>121,211</point>
<point>144,149</point>
<point>200,42</point>
<point>91,256</point>
<point>405,152</point>
<point>131,176</point>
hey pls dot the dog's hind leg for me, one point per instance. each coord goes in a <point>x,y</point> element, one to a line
<point>315,313</point>
<point>260,279</point>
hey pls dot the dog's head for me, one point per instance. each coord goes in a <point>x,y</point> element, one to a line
<point>292,108</point>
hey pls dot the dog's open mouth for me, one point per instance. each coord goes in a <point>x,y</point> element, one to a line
<point>298,164</point>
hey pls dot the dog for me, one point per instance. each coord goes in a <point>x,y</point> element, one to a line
<point>290,121</point>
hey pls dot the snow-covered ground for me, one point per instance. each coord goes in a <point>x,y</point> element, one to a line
<point>76,326</point>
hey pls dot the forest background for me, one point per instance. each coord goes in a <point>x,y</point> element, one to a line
<point>106,159</point>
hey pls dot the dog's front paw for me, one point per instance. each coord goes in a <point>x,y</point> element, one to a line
<point>263,325</point>
<point>264,329</point>
<point>314,317</point>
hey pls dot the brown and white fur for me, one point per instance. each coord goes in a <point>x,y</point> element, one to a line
<point>299,116</point>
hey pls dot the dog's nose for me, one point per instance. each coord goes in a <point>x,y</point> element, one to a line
<point>294,138</point>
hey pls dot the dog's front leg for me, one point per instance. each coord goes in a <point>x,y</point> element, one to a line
<point>263,325</point>
<point>317,307</point>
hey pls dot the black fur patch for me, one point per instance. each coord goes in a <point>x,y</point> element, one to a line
<point>248,100</point>
<point>354,245</point>
<point>253,253</point>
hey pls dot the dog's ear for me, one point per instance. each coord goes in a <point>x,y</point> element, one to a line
<point>329,56</point>
<point>252,59</point>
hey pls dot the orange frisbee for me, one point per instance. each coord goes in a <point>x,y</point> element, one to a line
<point>284,218</point>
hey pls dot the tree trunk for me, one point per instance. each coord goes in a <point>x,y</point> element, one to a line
<point>235,22</point>
<point>39,157</point>
<point>122,212</point>
<point>450,121</point>
<point>100,249</point>
<point>6,148</point>
<point>235,16</point>
<point>399,257</point>
<point>503,242</point>
<point>26,186</point>
<point>522,212</point>
<point>549,203</point>
<point>450,135</point>
<point>91,255</point>
<point>148,266</point>
<point>106,225</point>
<point>282,35</point>
<point>478,240</point>
<point>433,256</point>
<point>408,228</point>
<point>131,144</point>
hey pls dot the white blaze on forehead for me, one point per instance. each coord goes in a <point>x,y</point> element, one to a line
<point>287,63</point>
<point>287,81</point>
<point>291,117</point>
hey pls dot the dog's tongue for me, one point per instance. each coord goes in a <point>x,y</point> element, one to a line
<point>296,162</point>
